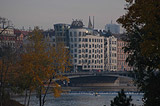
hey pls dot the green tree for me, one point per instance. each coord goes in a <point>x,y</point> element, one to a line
<point>122,100</point>
<point>142,23</point>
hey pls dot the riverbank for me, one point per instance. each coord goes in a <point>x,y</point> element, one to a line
<point>11,103</point>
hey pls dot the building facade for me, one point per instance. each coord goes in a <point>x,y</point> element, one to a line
<point>7,37</point>
<point>122,65</point>
<point>110,53</point>
<point>86,49</point>
<point>61,33</point>
<point>49,37</point>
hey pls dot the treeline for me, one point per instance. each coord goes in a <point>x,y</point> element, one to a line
<point>32,68</point>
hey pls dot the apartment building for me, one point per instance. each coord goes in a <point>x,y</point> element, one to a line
<point>86,48</point>
<point>122,65</point>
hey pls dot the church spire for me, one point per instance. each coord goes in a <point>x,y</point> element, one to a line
<point>90,24</point>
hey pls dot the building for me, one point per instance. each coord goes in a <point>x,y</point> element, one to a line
<point>110,53</point>
<point>122,65</point>
<point>61,33</point>
<point>49,37</point>
<point>20,35</point>
<point>113,28</point>
<point>86,48</point>
<point>7,37</point>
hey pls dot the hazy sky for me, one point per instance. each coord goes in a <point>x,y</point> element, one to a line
<point>45,13</point>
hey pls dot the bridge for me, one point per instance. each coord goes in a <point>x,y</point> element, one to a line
<point>128,74</point>
<point>102,81</point>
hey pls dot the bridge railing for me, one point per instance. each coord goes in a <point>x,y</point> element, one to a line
<point>120,73</point>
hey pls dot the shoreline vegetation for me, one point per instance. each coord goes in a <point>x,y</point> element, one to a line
<point>11,103</point>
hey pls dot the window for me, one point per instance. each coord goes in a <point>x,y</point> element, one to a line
<point>71,39</point>
<point>75,50</point>
<point>113,54</point>
<point>79,51</point>
<point>71,45</point>
<point>92,61</point>
<point>75,34</point>
<point>75,39</point>
<point>101,61</point>
<point>101,45</point>
<point>83,40</point>
<point>75,55</point>
<point>79,46</point>
<point>90,40</point>
<point>113,48</point>
<point>89,46</point>
<point>79,39</point>
<point>79,56</point>
<point>70,33</point>
<point>75,45</point>
<point>79,33</point>
<point>86,40</point>
<point>75,60</point>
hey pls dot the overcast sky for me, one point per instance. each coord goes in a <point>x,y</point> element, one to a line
<point>45,13</point>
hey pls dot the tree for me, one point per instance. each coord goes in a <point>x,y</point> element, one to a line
<point>6,71</point>
<point>142,23</point>
<point>40,66</point>
<point>121,100</point>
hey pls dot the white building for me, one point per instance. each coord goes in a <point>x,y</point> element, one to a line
<point>86,49</point>
<point>110,54</point>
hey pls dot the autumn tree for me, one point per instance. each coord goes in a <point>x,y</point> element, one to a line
<point>122,100</point>
<point>40,66</point>
<point>142,23</point>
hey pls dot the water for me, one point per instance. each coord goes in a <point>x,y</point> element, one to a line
<point>81,99</point>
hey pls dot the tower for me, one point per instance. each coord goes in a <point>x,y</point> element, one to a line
<point>89,23</point>
<point>93,22</point>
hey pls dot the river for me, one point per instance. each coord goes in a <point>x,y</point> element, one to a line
<point>82,99</point>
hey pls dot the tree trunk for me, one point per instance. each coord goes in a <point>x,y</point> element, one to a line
<point>25,100</point>
<point>43,102</point>
<point>29,98</point>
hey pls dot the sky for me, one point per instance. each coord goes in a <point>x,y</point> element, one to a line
<point>45,13</point>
